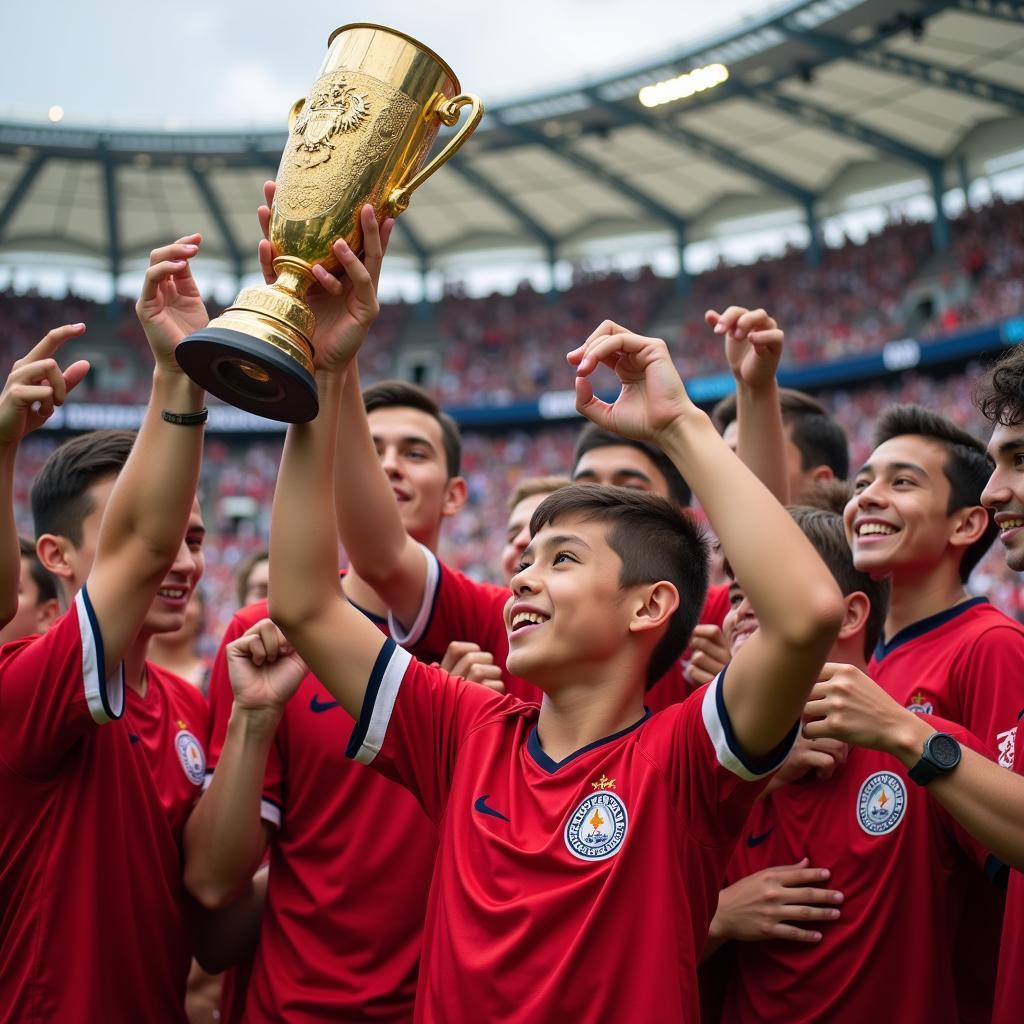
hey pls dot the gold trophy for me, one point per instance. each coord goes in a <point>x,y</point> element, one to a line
<point>361,136</point>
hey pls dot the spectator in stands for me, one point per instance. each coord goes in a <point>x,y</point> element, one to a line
<point>38,604</point>
<point>179,652</point>
<point>253,578</point>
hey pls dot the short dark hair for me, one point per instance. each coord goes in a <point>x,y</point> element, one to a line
<point>824,529</point>
<point>244,571</point>
<point>60,494</point>
<point>392,394</point>
<point>45,581</point>
<point>1000,393</point>
<point>830,495</point>
<point>655,540</point>
<point>592,436</point>
<point>967,466</point>
<point>817,435</point>
<point>534,485</point>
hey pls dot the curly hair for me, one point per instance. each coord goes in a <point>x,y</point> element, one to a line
<point>999,395</point>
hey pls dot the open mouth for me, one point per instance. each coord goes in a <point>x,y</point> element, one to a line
<point>173,593</point>
<point>876,530</point>
<point>1006,525</point>
<point>523,619</point>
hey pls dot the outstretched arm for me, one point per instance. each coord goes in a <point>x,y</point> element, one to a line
<point>338,643</point>
<point>753,347</point>
<point>35,387</point>
<point>148,511</point>
<point>796,599</point>
<point>368,523</point>
<point>986,799</point>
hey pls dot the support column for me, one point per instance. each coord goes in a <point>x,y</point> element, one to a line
<point>940,225</point>
<point>814,248</point>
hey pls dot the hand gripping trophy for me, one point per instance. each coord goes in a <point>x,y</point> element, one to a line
<point>361,136</point>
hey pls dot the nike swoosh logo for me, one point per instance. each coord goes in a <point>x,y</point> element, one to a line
<point>317,705</point>
<point>482,806</point>
<point>753,840</point>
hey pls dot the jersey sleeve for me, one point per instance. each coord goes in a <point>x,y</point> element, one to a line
<point>713,780</point>
<point>221,699</point>
<point>52,691</point>
<point>454,607</point>
<point>413,721</point>
<point>991,687</point>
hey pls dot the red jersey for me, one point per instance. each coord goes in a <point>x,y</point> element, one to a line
<point>456,607</point>
<point>893,852</point>
<point>552,876</point>
<point>1010,980</point>
<point>964,664</point>
<point>350,867</point>
<point>95,784</point>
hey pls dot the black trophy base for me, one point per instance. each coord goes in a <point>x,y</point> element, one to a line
<point>249,374</point>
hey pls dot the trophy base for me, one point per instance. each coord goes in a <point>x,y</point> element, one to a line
<point>249,374</point>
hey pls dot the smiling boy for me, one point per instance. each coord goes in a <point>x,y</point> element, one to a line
<point>917,518</point>
<point>573,827</point>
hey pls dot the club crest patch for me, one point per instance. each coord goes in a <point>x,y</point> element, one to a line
<point>921,705</point>
<point>597,828</point>
<point>881,803</point>
<point>191,756</point>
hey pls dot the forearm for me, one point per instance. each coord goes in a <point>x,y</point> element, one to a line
<point>229,936</point>
<point>150,504</point>
<point>303,536</point>
<point>225,837</point>
<point>369,524</point>
<point>757,535</point>
<point>761,437</point>
<point>10,551</point>
<point>987,800</point>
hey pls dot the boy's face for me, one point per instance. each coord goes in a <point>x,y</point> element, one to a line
<point>517,534</point>
<point>257,586</point>
<point>33,615</point>
<point>1004,492</point>
<point>740,622</point>
<point>567,608</point>
<point>410,446</point>
<point>167,612</point>
<point>621,465</point>
<point>896,520</point>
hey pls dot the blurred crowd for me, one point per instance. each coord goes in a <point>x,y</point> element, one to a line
<point>503,348</point>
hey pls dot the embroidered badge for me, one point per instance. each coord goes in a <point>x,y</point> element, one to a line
<point>191,756</point>
<point>881,803</point>
<point>596,830</point>
<point>920,705</point>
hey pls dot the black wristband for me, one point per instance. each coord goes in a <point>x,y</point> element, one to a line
<point>186,419</point>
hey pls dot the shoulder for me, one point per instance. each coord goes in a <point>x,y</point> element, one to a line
<point>478,589</point>
<point>179,691</point>
<point>65,635</point>
<point>248,616</point>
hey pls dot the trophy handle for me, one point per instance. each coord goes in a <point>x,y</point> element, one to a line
<point>293,114</point>
<point>448,112</point>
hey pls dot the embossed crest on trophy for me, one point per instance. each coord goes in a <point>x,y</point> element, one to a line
<point>361,136</point>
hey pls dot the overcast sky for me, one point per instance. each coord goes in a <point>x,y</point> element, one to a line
<point>225,63</point>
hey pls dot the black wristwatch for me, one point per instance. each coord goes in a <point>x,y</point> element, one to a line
<point>940,756</point>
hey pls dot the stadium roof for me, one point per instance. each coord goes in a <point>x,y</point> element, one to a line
<point>823,99</point>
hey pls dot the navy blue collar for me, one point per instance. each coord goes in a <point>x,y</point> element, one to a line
<point>551,766</point>
<point>916,629</point>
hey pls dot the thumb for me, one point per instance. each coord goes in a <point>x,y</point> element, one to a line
<point>589,405</point>
<point>75,373</point>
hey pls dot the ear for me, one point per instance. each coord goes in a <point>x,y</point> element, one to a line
<point>654,606</point>
<point>855,617</point>
<point>820,473</point>
<point>455,496</point>
<point>47,613</point>
<point>970,525</point>
<point>53,553</point>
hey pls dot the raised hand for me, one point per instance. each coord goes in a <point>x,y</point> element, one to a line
<point>821,756</point>
<point>37,385</point>
<point>345,304</point>
<point>652,396</point>
<point>264,669</point>
<point>847,705</point>
<point>170,307</point>
<point>753,343</point>
<point>470,661</point>
<point>770,903</point>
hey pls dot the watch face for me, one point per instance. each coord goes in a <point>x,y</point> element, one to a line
<point>944,750</point>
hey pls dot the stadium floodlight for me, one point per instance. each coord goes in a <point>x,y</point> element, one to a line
<point>55,113</point>
<point>682,86</point>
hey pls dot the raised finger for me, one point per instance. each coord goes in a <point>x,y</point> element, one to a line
<point>263,216</point>
<point>174,251</point>
<point>727,321</point>
<point>327,281</point>
<point>362,283</point>
<point>603,329</point>
<point>269,191</point>
<point>607,351</point>
<point>157,274</point>
<point>588,404</point>
<point>265,251</point>
<point>754,320</point>
<point>53,341</point>
<point>75,374</point>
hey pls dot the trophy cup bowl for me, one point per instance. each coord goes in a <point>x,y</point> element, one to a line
<point>362,135</point>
